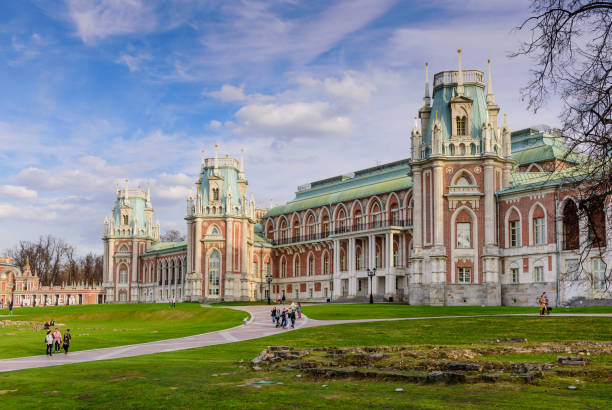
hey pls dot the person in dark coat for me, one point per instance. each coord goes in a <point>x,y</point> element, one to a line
<point>11,308</point>
<point>66,344</point>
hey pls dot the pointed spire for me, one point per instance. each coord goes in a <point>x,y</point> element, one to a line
<point>27,264</point>
<point>416,124</point>
<point>148,191</point>
<point>459,76</point>
<point>216,158</point>
<point>117,189</point>
<point>505,119</point>
<point>436,115</point>
<point>490,98</point>
<point>242,163</point>
<point>203,159</point>
<point>426,99</point>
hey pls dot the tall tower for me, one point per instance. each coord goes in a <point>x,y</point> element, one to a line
<point>461,159</point>
<point>220,228</point>
<point>128,232</point>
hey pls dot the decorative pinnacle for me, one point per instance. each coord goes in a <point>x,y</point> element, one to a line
<point>490,98</point>
<point>459,76</point>
<point>436,115</point>
<point>505,119</point>
<point>426,99</point>
<point>202,157</point>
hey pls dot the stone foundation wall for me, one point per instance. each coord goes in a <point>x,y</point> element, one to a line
<point>527,294</point>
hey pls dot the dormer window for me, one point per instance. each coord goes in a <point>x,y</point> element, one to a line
<point>215,192</point>
<point>461,126</point>
<point>126,220</point>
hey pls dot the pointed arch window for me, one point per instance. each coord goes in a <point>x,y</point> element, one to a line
<point>215,194</point>
<point>126,220</point>
<point>311,266</point>
<point>214,273</point>
<point>326,264</point>
<point>283,268</point>
<point>296,267</point>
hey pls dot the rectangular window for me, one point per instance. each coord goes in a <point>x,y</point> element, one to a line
<point>465,275</point>
<point>573,266</point>
<point>267,268</point>
<point>395,258</point>
<point>311,267</point>
<point>514,273</point>
<point>539,231</point>
<point>254,268</point>
<point>539,273</point>
<point>463,235</point>
<point>599,274</point>
<point>326,266</point>
<point>515,233</point>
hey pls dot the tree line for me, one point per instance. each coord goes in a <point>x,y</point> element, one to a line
<point>56,261</point>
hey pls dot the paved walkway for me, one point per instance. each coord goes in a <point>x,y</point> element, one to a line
<point>260,325</point>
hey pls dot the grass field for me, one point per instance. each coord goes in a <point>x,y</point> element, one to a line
<point>216,376</point>
<point>95,326</point>
<point>392,310</point>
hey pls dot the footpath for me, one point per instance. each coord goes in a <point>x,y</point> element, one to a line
<point>260,325</point>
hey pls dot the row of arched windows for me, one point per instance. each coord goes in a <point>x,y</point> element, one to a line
<point>309,226</point>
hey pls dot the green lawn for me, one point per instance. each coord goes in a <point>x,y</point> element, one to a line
<point>95,326</point>
<point>393,310</point>
<point>215,376</point>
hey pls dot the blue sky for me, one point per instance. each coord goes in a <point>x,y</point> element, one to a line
<point>96,91</point>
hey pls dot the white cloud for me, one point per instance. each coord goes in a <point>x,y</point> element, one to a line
<point>134,62</point>
<point>299,119</point>
<point>20,212</point>
<point>98,19</point>
<point>351,87</point>
<point>19,192</point>
<point>214,124</point>
<point>228,93</point>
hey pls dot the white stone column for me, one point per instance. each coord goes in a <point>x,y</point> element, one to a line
<point>438,200</point>
<point>371,252</point>
<point>336,268</point>
<point>417,217</point>
<point>489,202</point>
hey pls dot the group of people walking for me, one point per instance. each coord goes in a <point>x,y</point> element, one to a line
<point>282,316</point>
<point>54,341</point>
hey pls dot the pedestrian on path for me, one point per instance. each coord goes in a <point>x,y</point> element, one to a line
<point>49,343</point>
<point>57,340</point>
<point>11,308</point>
<point>283,298</point>
<point>67,338</point>
<point>299,310</point>
<point>543,307</point>
<point>292,317</point>
<point>173,303</point>
<point>273,314</point>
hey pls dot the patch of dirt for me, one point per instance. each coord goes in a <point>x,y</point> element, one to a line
<point>120,378</point>
<point>85,396</point>
<point>7,391</point>
<point>50,392</point>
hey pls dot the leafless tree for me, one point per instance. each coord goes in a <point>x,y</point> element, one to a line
<point>172,236</point>
<point>571,46</point>
<point>55,261</point>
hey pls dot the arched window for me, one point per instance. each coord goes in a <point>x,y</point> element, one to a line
<point>123,276</point>
<point>463,181</point>
<point>342,260</point>
<point>461,126</point>
<point>473,149</point>
<point>283,268</point>
<point>255,271</point>
<point>215,231</point>
<point>514,229</point>
<point>214,273</point>
<point>310,227</point>
<point>326,264</point>
<point>359,258</point>
<point>296,266</point>
<point>596,222</point>
<point>215,194</point>
<point>311,266</point>
<point>571,233</point>
<point>538,226</point>
<point>395,254</point>
<point>451,149</point>
<point>461,149</point>
<point>375,212</point>
<point>378,260</point>
<point>126,220</point>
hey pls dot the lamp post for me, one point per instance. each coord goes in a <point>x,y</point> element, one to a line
<point>371,273</point>
<point>269,280</point>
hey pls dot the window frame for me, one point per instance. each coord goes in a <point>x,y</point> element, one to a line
<point>459,243</point>
<point>514,232</point>
<point>538,274</point>
<point>461,275</point>
<point>539,231</point>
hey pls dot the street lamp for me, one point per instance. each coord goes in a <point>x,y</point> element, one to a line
<point>269,279</point>
<point>371,273</point>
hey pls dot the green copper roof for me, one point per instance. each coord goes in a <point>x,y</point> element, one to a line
<point>372,181</point>
<point>441,103</point>
<point>165,247</point>
<point>532,145</point>
<point>528,180</point>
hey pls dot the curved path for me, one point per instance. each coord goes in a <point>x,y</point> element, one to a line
<point>260,325</point>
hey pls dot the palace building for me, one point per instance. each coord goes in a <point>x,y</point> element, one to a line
<point>24,289</point>
<point>477,215</point>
